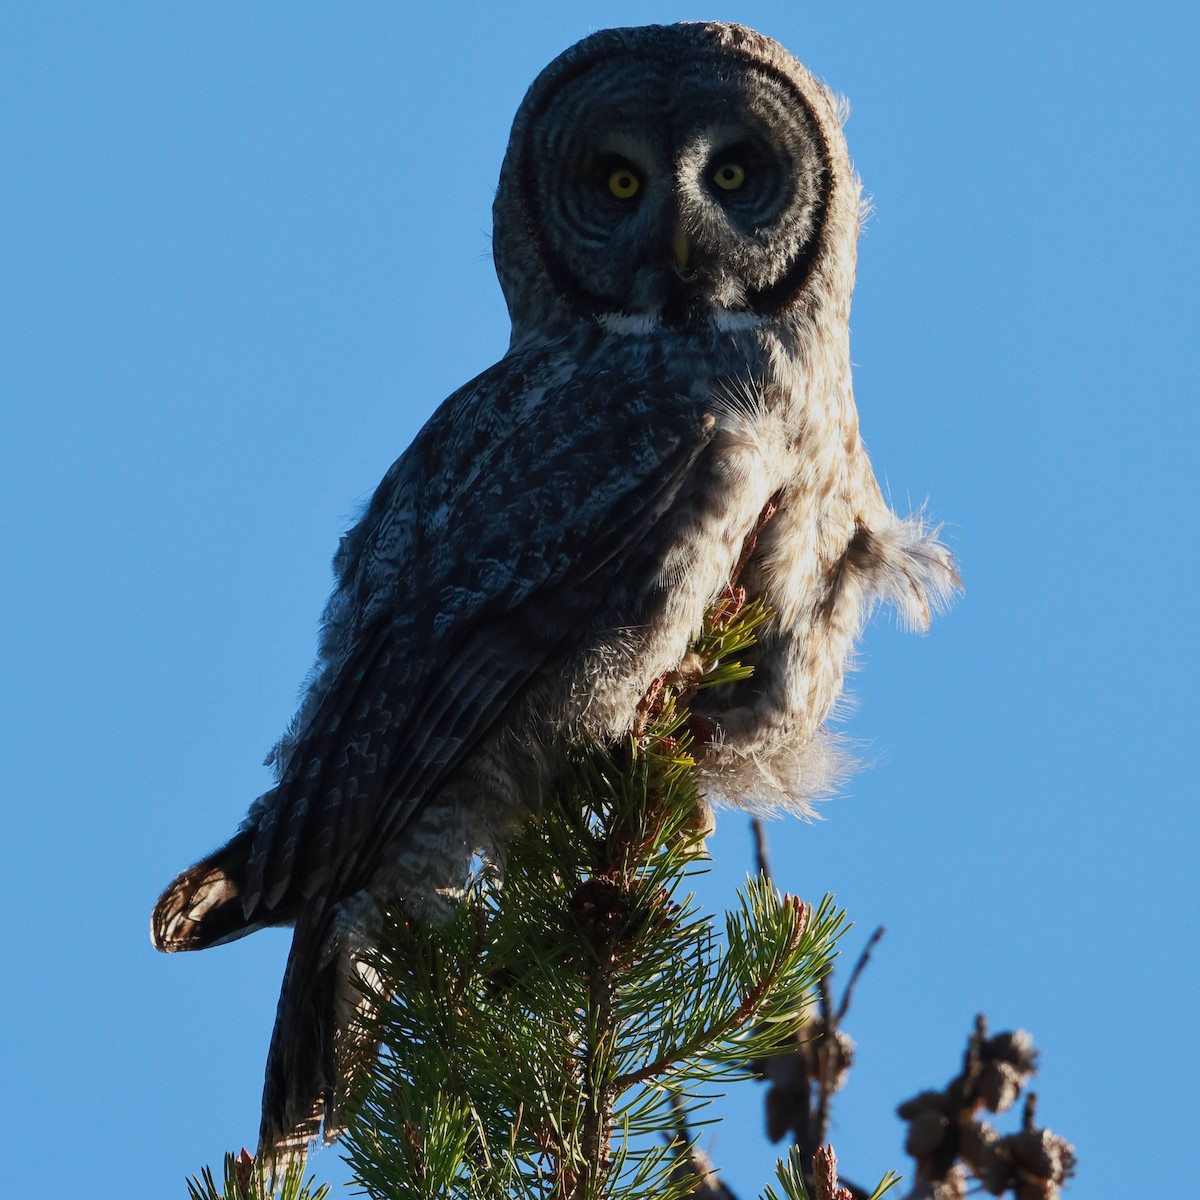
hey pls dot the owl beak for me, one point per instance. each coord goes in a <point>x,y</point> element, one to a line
<point>681,247</point>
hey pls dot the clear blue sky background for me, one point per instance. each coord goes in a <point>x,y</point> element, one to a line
<point>246,252</point>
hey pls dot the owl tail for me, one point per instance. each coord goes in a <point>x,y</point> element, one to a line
<point>318,1047</point>
<point>203,906</point>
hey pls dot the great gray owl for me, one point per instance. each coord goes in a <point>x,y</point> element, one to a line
<point>675,232</point>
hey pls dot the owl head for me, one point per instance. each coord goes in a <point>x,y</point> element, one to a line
<point>674,175</point>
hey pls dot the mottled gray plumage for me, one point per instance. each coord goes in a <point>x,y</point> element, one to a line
<point>675,235</point>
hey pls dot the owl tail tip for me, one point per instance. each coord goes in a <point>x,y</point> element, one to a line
<point>203,906</point>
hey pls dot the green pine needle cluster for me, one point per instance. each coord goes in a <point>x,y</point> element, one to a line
<point>243,1180</point>
<point>550,1038</point>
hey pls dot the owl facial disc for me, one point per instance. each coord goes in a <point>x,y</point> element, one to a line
<point>653,182</point>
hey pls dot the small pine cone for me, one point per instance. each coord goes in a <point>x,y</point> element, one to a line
<point>837,1057</point>
<point>922,1102</point>
<point>1042,1162</point>
<point>601,910</point>
<point>953,1186</point>
<point>786,1110</point>
<point>986,1153</point>
<point>702,821</point>
<point>1015,1047</point>
<point>1007,1062</point>
<point>926,1133</point>
<point>789,1070</point>
<point>705,732</point>
<point>999,1086</point>
<point>696,1169</point>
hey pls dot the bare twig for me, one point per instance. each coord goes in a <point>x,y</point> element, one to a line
<point>856,974</point>
<point>696,1167</point>
<point>759,831</point>
<point>804,1080</point>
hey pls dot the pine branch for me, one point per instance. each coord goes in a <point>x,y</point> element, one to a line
<point>535,1044</point>
<point>951,1143</point>
<point>551,1038</point>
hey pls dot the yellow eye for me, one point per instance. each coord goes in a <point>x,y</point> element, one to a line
<point>623,183</point>
<point>729,176</point>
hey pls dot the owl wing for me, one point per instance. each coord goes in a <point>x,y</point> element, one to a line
<point>491,543</point>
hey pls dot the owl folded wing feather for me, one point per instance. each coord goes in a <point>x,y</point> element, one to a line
<point>502,573</point>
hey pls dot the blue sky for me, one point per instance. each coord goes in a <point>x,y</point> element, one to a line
<point>244,255</point>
